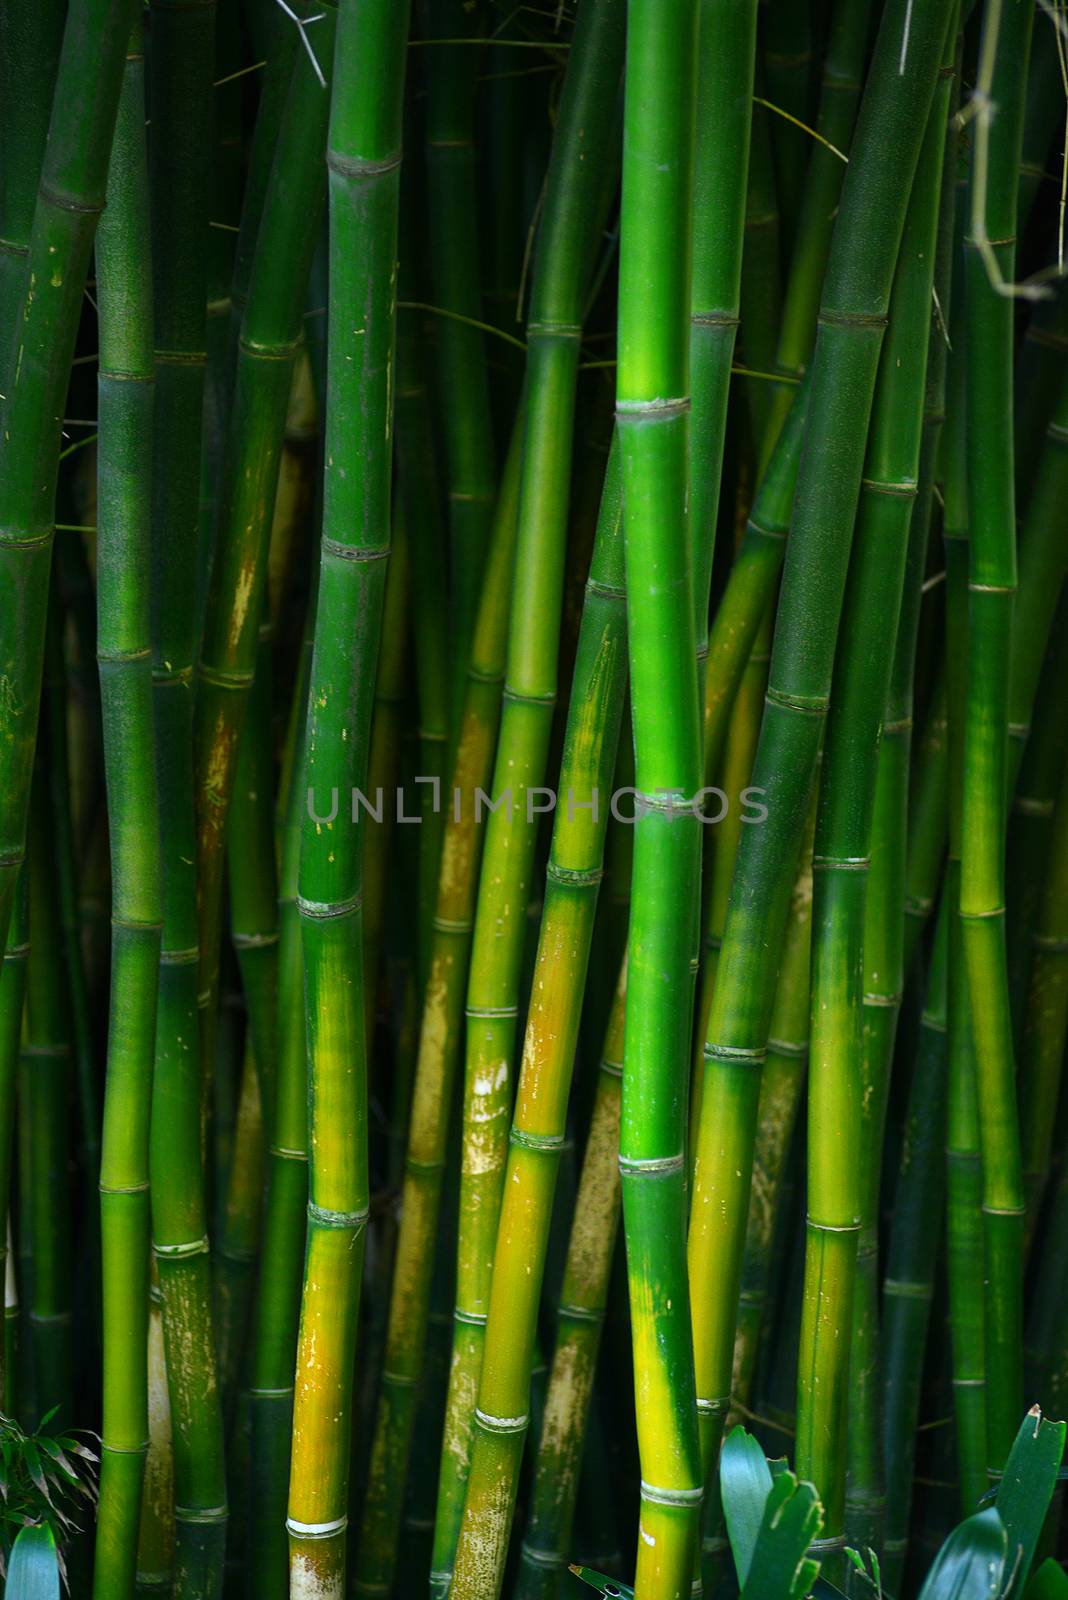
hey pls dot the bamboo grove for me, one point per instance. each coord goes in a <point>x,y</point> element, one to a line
<point>533,799</point>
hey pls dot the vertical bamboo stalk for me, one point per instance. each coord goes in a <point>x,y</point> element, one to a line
<point>363,161</point>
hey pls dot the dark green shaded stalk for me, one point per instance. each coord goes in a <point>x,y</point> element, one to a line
<point>12,994</point>
<point>727,41</point>
<point>239,1235</point>
<point>1038,372</point>
<point>891,516</point>
<point>44,1086</point>
<point>440,1034</point>
<point>761,297</point>
<point>125,399</point>
<point>69,201</point>
<point>855,300</point>
<point>363,161</point>
<point>582,152</point>
<point>462,377</point>
<point>266,352</point>
<point>537,1138</point>
<point>155,1539</point>
<point>991,587</point>
<point>788,61</point>
<point>652,412</point>
<point>180,77</point>
<point>30,38</point>
<point>840,89</point>
<point>911,1259</point>
<point>926,830</point>
<point>274,1344</point>
<point>580,1320</point>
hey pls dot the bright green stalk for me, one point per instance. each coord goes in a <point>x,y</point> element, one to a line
<point>580,1319</point>
<point>843,79</point>
<point>912,1252</point>
<point>727,39</point>
<point>452,242</point>
<point>69,201</point>
<point>538,1125</point>
<point>125,400</point>
<point>439,1045</point>
<point>652,410</point>
<point>266,351</point>
<point>363,160</point>
<point>180,76</point>
<point>585,130</point>
<point>891,554</point>
<point>30,37</point>
<point>991,588</point>
<point>856,293</point>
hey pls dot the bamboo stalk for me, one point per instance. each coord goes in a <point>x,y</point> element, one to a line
<point>363,160</point>
<point>125,398</point>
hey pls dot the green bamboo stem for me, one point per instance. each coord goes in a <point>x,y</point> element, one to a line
<point>125,394</point>
<point>274,1344</point>
<point>1038,371</point>
<point>580,1320</point>
<point>568,235</point>
<point>440,1035</point>
<point>12,995</point>
<point>652,406</point>
<point>271,324</point>
<point>239,1235</point>
<point>840,93</point>
<point>911,1260</point>
<point>898,522</point>
<point>856,292</point>
<point>788,60</point>
<point>537,1137</point>
<point>462,375</point>
<point>30,39</point>
<point>180,76</point>
<point>44,1085</point>
<point>155,1539</point>
<point>761,298</point>
<point>363,161</point>
<point>991,585</point>
<point>69,200</point>
<point>926,831</point>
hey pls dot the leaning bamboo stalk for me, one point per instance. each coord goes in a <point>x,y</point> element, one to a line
<point>574,198</point>
<point>852,319</point>
<point>439,1044</point>
<point>652,406</point>
<point>125,399</point>
<point>991,588</point>
<point>69,201</point>
<point>363,161</point>
<point>271,325</point>
<point>573,878</point>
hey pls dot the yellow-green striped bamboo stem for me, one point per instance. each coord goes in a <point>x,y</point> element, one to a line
<point>363,160</point>
<point>181,70</point>
<point>439,1045</point>
<point>840,90</point>
<point>271,326</point>
<point>453,241</point>
<point>155,1539</point>
<point>568,236</point>
<point>125,398</point>
<point>573,878</point>
<point>991,587</point>
<point>36,368</point>
<point>896,524</point>
<point>652,411</point>
<point>854,305</point>
<point>579,1321</point>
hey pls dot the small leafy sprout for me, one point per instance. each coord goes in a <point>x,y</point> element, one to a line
<point>874,1577</point>
<point>45,1478</point>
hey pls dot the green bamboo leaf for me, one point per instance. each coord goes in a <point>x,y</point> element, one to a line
<point>1026,1489</point>
<point>33,1466</point>
<point>33,1570</point>
<point>745,1483</point>
<point>1047,1582</point>
<point>971,1563</point>
<point>779,1568</point>
<point>606,1586</point>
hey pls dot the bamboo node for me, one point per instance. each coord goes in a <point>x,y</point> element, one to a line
<point>907,1291</point>
<point>717,1407</point>
<point>608,591</point>
<point>327,910</point>
<point>353,552</point>
<point>16,539</point>
<point>316,1530</point>
<point>741,1055</point>
<point>362,166</point>
<point>178,1252</point>
<point>832,1542</point>
<point>551,1559</point>
<point>689,1496</point>
<point>812,705</point>
<point>664,410</point>
<point>714,319</point>
<point>613,1068</point>
<point>201,1514</point>
<point>656,1165</point>
<point>493,1424</point>
<point>337,1219</point>
<point>471,1319</point>
<point>549,1142</point>
<point>66,202</point>
<point>590,1314</point>
<point>862,321</point>
<point>906,489</point>
<point>578,877</point>
<point>752,526</point>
